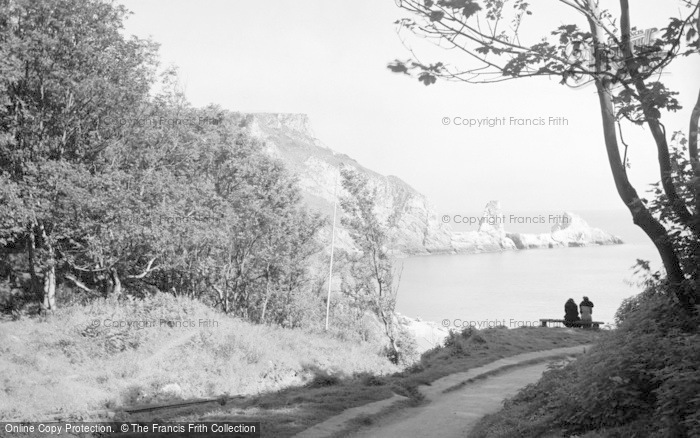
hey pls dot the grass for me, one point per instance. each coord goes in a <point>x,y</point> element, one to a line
<point>517,420</point>
<point>287,412</point>
<point>640,380</point>
<point>64,364</point>
<point>287,379</point>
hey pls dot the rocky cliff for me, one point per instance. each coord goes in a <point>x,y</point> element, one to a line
<point>290,138</point>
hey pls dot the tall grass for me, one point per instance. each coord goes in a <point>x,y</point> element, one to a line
<point>78,360</point>
<point>294,409</point>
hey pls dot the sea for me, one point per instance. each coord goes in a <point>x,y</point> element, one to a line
<point>516,288</point>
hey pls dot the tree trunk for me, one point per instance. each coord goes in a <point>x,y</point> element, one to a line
<point>389,330</point>
<point>116,282</point>
<point>31,254</point>
<point>226,300</point>
<point>693,150</point>
<point>640,214</point>
<point>657,131</point>
<point>264,309</point>
<point>222,297</point>
<point>267,294</point>
<point>49,303</point>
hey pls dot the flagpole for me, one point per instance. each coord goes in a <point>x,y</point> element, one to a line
<point>330,270</point>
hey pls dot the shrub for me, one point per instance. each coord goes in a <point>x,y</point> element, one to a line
<point>643,370</point>
<point>454,337</point>
<point>632,303</point>
<point>642,380</point>
<point>369,379</point>
<point>133,395</point>
<point>408,348</point>
<point>8,300</point>
<point>457,342</point>
<point>323,379</point>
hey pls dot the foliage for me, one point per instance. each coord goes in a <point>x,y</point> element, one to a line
<point>642,379</point>
<point>408,347</point>
<point>488,33</point>
<point>107,188</point>
<point>205,352</point>
<point>322,379</point>
<point>68,74</point>
<point>372,276</point>
<point>686,181</point>
<point>623,62</point>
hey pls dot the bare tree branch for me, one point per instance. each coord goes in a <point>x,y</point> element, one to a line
<point>79,283</point>
<point>147,271</point>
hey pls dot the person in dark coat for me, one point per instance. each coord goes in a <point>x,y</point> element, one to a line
<point>571,317</point>
<point>586,307</point>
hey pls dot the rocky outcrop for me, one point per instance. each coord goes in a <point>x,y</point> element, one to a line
<point>570,231</point>
<point>419,230</point>
<point>427,334</point>
<point>491,235</point>
<point>474,242</point>
<point>493,221</point>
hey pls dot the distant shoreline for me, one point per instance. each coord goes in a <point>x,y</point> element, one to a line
<point>401,256</point>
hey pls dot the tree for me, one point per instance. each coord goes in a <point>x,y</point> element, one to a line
<point>256,243</point>
<point>372,270</point>
<point>285,251</point>
<point>66,72</point>
<point>623,67</point>
<point>108,188</point>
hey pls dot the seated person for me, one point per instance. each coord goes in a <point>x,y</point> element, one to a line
<point>586,307</point>
<point>571,317</point>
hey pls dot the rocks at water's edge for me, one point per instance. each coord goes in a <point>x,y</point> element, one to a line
<point>571,231</point>
<point>428,334</point>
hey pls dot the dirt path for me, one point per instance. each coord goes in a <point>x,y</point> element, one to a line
<point>454,413</point>
<point>454,403</point>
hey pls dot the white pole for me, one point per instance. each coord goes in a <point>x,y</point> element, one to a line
<point>330,271</point>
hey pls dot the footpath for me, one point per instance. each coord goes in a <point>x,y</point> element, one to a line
<point>453,404</point>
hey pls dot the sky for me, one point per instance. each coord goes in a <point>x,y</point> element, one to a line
<point>328,58</point>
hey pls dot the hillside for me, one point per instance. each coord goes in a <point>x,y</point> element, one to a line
<point>113,353</point>
<point>290,138</point>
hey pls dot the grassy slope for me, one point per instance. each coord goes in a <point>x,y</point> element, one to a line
<point>294,409</point>
<point>640,380</point>
<point>290,379</point>
<point>62,364</point>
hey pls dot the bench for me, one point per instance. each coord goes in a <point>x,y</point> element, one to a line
<point>560,323</point>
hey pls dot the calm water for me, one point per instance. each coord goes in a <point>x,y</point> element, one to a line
<point>525,285</point>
